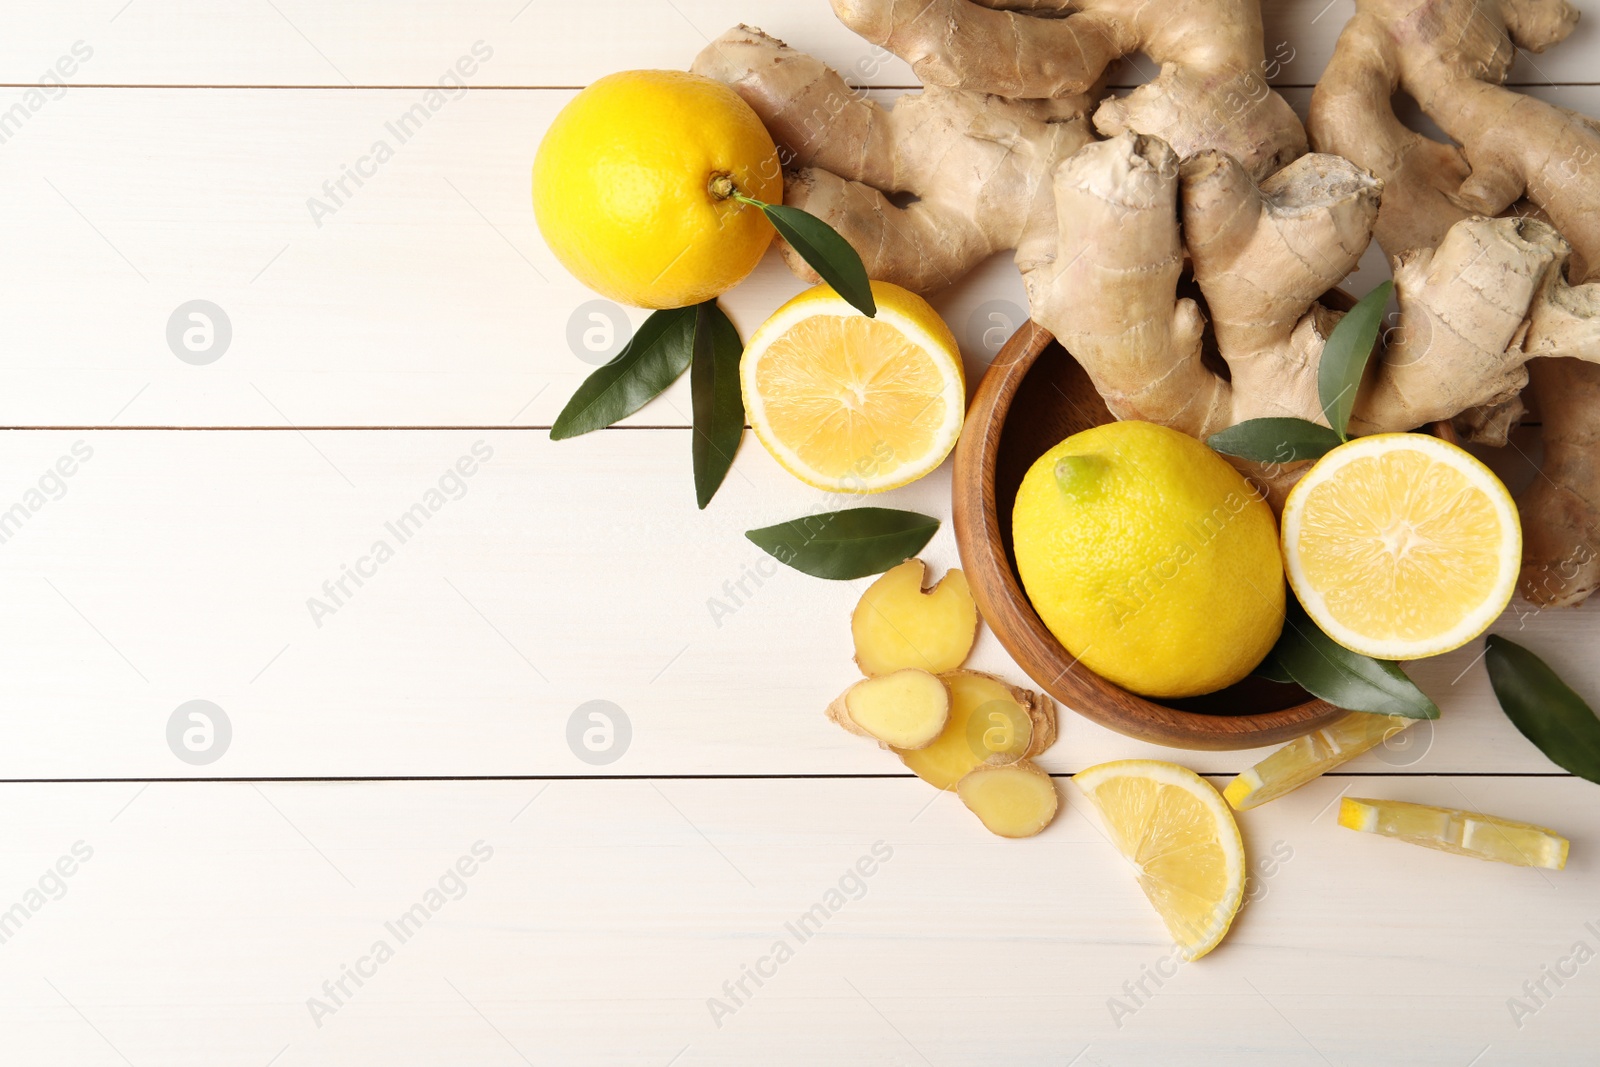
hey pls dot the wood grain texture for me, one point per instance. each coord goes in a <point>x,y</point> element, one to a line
<point>610,913</point>
<point>542,42</point>
<point>179,565</point>
<point>175,565</point>
<point>425,299</point>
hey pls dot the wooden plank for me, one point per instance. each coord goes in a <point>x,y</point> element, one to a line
<point>426,298</point>
<point>535,42</point>
<point>600,919</point>
<point>409,42</point>
<point>178,566</point>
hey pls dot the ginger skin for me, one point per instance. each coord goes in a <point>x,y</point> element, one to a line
<point>959,729</point>
<point>1516,155</point>
<point>906,709</point>
<point>846,156</point>
<point>1203,174</point>
<point>990,722</point>
<point>1015,800</point>
<point>941,727</point>
<point>1210,92</point>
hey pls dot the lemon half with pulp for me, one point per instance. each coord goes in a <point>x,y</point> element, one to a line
<point>854,404</point>
<point>1401,546</point>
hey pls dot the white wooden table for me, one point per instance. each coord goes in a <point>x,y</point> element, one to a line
<point>405,752</point>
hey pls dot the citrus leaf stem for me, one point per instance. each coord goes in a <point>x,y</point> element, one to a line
<point>820,245</point>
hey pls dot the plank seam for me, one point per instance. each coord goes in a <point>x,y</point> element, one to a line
<point>574,88</point>
<point>343,427</point>
<point>401,778</point>
<point>352,427</point>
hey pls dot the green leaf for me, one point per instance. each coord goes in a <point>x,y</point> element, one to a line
<point>657,354</point>
<point>1544,707</point>
<point>1272,670</point>
<point>1344,357</point>
<point>1279,440</point>
<point>1324,668</point>
<point>718,405</point>
<point>825,252</point>
<point>846,544</point>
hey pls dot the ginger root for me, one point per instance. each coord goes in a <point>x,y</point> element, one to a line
<point>1182,260</point>
<point>905,709</point>
<point>990,722</point>
<point>976,164</point>
<point>898,624</point>
<point>949,727</point>
<point>1511,155</point>
<point>1015,800</point>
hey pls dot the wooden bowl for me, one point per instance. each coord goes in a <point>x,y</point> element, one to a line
<point>1032,397</point>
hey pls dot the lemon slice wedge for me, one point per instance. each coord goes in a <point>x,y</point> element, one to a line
<point>1401,546</point>
<point>1305,758</point>
<point>852,404</point>
<point>1465,833</point>
<point>1175,828</point>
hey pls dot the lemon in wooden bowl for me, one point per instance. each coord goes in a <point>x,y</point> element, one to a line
<point>1150,558</point>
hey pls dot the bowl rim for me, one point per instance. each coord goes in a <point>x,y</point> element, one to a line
<point>975,518</point>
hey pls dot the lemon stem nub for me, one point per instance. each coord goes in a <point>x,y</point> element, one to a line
<point>1079,476</point>
<point>722,187</point>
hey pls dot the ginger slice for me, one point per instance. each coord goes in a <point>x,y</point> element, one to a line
<point>1016,800</point>
<point>990,722</point>
<point>906,709</point>
<point>897,624</point>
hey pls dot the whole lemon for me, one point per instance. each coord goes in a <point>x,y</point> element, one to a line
<point>622,187</point>
<point>1150,558</point>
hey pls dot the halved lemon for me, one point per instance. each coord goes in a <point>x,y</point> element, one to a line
<point>1183,842</point>
<point>852,404</point>
<point>1465,833</point>
<point>1401,546</point>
